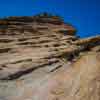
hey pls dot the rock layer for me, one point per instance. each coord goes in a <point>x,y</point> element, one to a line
<point>41,58</point>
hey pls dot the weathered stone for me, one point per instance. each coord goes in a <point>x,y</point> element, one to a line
<point>41,58</point>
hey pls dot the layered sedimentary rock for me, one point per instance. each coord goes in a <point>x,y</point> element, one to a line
<point>41,58</point>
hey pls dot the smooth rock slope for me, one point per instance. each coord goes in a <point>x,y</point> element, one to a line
<point>41,58</point>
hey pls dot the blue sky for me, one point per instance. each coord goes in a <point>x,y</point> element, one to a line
<point>83,14</point>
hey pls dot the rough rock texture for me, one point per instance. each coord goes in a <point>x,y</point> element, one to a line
<point>41,58</point>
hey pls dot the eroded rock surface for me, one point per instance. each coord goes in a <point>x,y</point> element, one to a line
<point>41,58</point>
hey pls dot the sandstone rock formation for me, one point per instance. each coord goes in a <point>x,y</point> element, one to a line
<point>41,58</point>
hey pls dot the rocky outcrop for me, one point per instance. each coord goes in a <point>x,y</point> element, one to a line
<point>41,58</point>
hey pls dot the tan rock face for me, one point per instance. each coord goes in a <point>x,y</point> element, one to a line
<point>42,59</point>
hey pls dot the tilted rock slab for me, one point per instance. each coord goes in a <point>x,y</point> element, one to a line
<point>42,59</point>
